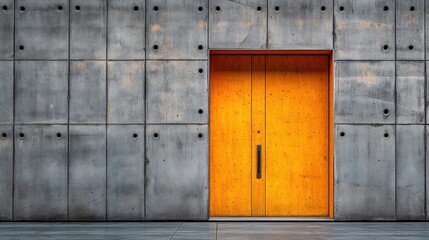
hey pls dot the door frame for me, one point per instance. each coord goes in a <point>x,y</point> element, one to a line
<point>330,54</point>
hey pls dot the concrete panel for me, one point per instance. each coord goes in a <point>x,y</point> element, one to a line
<point>410,92</point>
<point>364,172</point>
<point>6,96</point>
<point>40,172</point>
<point>427,171</point>
<point>126,92</point>
<point>410,22</point>
<point>87,173</point>
<point>126,33</point>
<point>41,90</point>
<point>177,29</point>
<point>364,29</point>
<point>87,92</point>
<point>6,172</point>
<point>88,29</point>
<point>125,172</point>
<point>177,172</point>
<point>304,24</point>
<point>41,29</point>
<point>238,24</point>
<point>6,29</point>
<point>410,172</point>
<point>177,92</point>
<point>365,92</point>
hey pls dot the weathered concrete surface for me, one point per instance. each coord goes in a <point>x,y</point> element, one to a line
<point>6,28</point>
<point>88,29</point>
<point>177,29</point>
<point>410,92</point>
<point>126,33</point>
<point>238,24</point>
<point>363,28</point>
<point>42,29</point>
<point>88,92</point>
<point>427,171</point>
<point>40,172</point>
<point>410,22</point>
<point>410,172</point>
<point>87,173</point>
<point>126,92</point>
<point>177,172</point>
<point>365,92</point>
<point>6,95</point>
<point>41,91</point>
<point>6,172</point>
<point>125,172</point>
<point>364,172</point>
<point>177,92</point>
<point>304,24</point>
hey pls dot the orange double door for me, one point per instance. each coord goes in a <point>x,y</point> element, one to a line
<point>269,135</point>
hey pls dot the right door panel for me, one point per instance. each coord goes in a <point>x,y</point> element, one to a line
<point>297,135</point>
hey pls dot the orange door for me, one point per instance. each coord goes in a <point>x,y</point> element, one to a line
<point>268,135</point>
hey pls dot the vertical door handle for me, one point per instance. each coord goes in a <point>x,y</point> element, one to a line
<point>258,166</point>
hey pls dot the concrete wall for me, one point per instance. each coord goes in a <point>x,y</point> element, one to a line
<point>104,103</point>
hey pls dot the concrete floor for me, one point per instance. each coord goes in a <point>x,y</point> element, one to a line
<point>216,230</point>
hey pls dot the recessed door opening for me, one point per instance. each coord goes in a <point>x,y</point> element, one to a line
<point>270,134</point>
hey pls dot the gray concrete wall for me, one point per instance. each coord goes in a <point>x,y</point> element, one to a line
<point>104,103</point>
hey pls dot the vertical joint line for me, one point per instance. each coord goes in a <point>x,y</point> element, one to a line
<point>106,15</point>
<point>68,115</point>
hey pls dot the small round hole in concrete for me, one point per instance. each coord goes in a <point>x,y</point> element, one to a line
<point>136,8</point>
<point>259,8</point>
<point>21,135</point>
<point>21,47</point>
<point>411,47</point>
<point>22,9</point>
<point>341,8</point>
<point>4,135</point>
<point>135,136</point>
<point>155,135</point>
<point>386,112</point>
<point>156,8</point>
<point>385,47</point>
<point>200,47</point>
<point>60,8</point>
<point>200,135</point>
<point>77,8</point>
<point>58,135</point>
<point>412,8</point>
<point>200,70</point>
<point>200,9</point>
<point>217,9</point>
<point>323,8</point>
<point>277,8</point>
<point>342,134</point>
<point>155,47</point>
<point>4,8</point>
<point>200,111</point>
<point>386,8</point>
<point>386,135</point>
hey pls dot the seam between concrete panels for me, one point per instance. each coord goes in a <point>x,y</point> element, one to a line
<point>396,112</point>
<point>13,116</point>
<point>145,111</point>
<point>106,15</point>
<point>68,114</point>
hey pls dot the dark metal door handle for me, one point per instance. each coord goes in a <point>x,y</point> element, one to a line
<point>258,167</point>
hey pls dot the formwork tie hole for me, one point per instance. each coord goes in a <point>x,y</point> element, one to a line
<point>200,9</point>
<point>4,135</point>
<point>323,8</point>
<point>341,8</point>
<point>342,134</point>
<point>60,8</point>
<point>200,135</point>
<point>200,70</point>
<point>385,47</point>
<point>21,47</point>
<point>156,8</point>
<point>200,111</point>
<point>412,8</point>
<point>411,47</point>
<point>386,8</point>
<point>155,135</point>
<point>4,8</point>
<point>136,8</point>
<point>259,8</point>
<point>58,135</point>
<point>386,135</point>
<point>77,8</point>
<point>135,136</point>
<point>277,8</point>
<point>155,47</point>
<point>21,135</point>
<point>200,47</point>
<point>217,9</point>
<point>386,112</point>
<point>22,9</point>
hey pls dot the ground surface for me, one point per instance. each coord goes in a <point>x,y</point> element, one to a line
<point>214,230</point>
